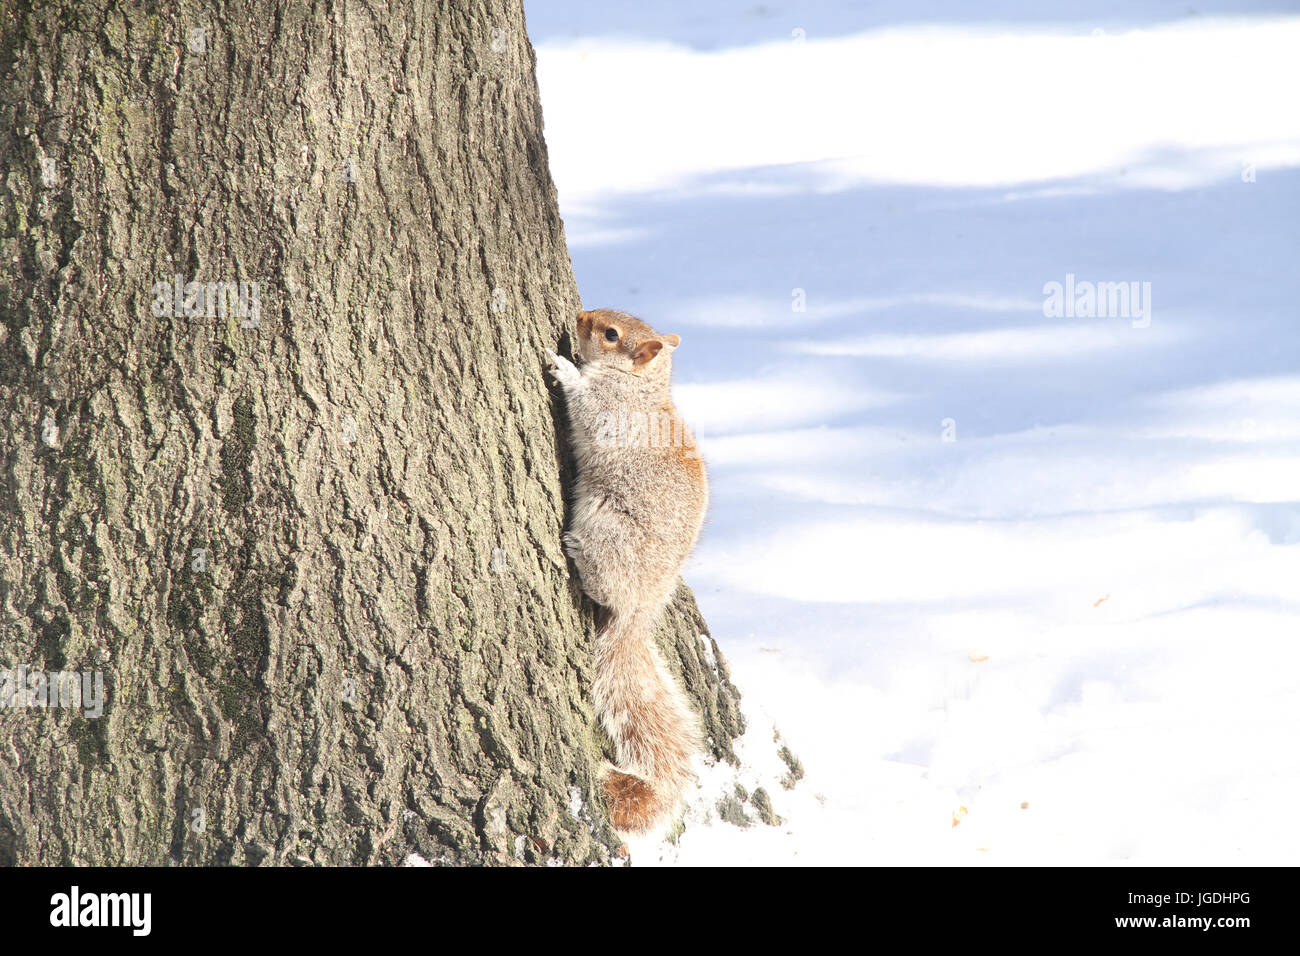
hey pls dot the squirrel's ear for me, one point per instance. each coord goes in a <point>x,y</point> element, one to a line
<point>645,352</point>
<point>672,341</point>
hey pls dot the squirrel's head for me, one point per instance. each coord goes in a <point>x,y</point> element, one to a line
<point>616,339</point>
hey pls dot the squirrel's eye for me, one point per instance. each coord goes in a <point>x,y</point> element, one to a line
<point>611,335</point>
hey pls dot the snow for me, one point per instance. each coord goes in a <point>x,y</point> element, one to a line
<point>1015,589</point>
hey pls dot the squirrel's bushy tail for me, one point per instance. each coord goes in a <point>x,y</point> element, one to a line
<point>646,715</point>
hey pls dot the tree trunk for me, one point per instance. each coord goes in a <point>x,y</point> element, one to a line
<point>308,528</point>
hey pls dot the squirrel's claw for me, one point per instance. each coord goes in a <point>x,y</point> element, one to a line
<point>563,370</point>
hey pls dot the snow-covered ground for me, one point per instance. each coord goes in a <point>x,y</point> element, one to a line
<point>1015,588</point>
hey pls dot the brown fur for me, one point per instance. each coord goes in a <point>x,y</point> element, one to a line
<point>638,507</point>
<point>633,807</point>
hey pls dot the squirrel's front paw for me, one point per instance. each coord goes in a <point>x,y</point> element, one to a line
<point>564,371</point>
<point>572,545</point>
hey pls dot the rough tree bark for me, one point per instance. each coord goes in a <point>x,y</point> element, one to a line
<point>313,546</point>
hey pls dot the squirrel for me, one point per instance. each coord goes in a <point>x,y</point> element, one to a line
<point>638,506</point>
